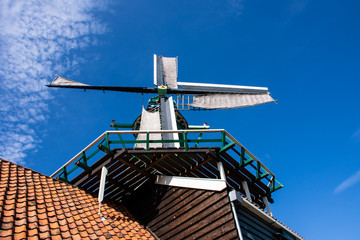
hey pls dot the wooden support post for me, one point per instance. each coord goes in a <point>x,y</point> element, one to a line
<point>106,150</point>
<point>246,188</point>
<point>221,170</point>
<point>266,202</point>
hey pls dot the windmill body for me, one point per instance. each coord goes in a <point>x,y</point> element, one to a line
<point>181,181</point>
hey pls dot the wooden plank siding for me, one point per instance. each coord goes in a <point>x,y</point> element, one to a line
<point>182,213</point>
<point>254,228</point>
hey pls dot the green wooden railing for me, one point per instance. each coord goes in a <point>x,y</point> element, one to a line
<point>109,140</point>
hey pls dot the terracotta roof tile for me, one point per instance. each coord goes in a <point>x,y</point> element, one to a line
<point>74,231</point>
<point>53,219</point>
<point>7,225</point>
<point>6,233</point>
<point>20,235</point>
<point>66,234</point>
<point>35,237</point>
<point>44,235</point>
<point>35,206</point>
<point>55,232</point>
<point>33,232</point>
<point>20,221</point>
<point>57,237</point>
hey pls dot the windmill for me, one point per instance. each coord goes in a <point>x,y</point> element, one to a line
<point>162,112</point>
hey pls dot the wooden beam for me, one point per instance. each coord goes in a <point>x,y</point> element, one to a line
<point>194,183</point>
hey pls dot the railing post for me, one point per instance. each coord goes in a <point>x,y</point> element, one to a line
<point>258,167</point>
<point>147,141</point>
<point>122,141</point>
<point>185,141</point>
<point>107,140</point>
<point>273,184</point>
<point>199,138</point>
<point>223,139</point>
<point>65,175</point>
<point>242,156</point>
<point>84,157</point>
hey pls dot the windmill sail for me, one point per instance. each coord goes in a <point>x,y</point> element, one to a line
<point>165,71</point>
<point>228,101</point>
<point>200,95</point>
<point>60,81</point>
<point>221,88</point>
<point>205,95</point>
<point>149,121</point>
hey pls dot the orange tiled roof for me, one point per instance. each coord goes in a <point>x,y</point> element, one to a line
<point>34,206</point>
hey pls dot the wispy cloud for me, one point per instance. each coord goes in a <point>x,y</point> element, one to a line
<point>356,134</point>
<point>37,39</point>
<point>297,6</point>
<point>236,6</point>
<point>352,180</point>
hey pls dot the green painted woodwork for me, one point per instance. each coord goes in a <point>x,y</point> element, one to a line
<point>187,140</point>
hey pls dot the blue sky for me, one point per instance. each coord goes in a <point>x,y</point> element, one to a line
<point>306,52</point>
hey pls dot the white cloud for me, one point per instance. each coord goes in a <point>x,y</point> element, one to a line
<point>352,180</point>
<point>36,41</point>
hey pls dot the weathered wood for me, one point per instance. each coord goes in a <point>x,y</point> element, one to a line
<point>168,150</point>
<point>196,206</point>
<point>90,185</point>
<point>156,160</point>
<point>180,213</point>
<point>134,177</point>
<point>253,225</point>
<point>86,175</point>
<point>200,220</point>
<point>174,212</point>
<point>125,160</point>
<point>165,206</point>
<point>220,228</point>
<point>232,235</point>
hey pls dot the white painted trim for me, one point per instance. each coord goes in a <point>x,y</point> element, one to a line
<point>155,70</point>
<point>168,120</point>
<point>198,127</point>
<point>237,223</point>
<point>266,202</point>
<point>236,197</point>
<point>104,172</point>
<point>207,86</point>
<point>246,188</point>
<point>189,182</point>
<point>221,170</point>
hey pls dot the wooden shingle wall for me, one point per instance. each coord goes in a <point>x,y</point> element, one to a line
<point>252,227</point>
<point>181,213</point>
